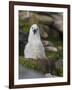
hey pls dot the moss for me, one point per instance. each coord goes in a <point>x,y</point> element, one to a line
<point>52,55</point>
<point>41,66</point>
<point>58,72</point>
<point>24,25</point>
<point>33,64</point>
<point>26,28</point>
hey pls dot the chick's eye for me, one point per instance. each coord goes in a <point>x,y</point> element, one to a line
<point>32,27</point>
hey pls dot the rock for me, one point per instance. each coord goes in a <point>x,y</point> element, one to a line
<point>44,27</point>
<point>49,75</point>
<point>44,19</point>
<point>24,15</point>
<point>47,43</point>
<point>60,47</point>
<point>59,64</point>
<point>29,73</point>
<point>58,21</point>
<point>23,36</point>
<point>43,33</point>
<point>50,43</point>
<point>58,68</point>
<point>51,48</point>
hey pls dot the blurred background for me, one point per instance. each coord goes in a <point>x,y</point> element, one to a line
<point>51,32</point>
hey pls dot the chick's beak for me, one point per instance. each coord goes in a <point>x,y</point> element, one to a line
<point>34,31</point>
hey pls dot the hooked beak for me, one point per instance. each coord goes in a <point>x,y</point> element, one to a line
<point>34,31</point>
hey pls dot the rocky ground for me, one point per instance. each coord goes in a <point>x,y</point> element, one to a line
<point>26,73</point>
